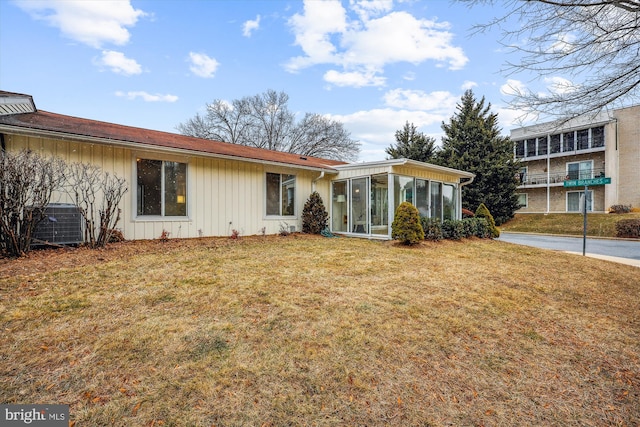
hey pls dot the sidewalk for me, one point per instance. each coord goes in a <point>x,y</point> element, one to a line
<point>627,261</point>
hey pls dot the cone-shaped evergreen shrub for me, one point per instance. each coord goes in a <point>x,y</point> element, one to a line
<point>483,212</point>
<point>406,226</point>
<point>314,215</point>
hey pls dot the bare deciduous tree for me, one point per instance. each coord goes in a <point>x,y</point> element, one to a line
<point>264,121</point>
<point>27,183</point>
<point>590,48</point>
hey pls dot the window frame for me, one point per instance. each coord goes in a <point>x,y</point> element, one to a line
<point>580,171</point>
<point>163,190</point>
<point>526,200</point>
<point>589,204</point>
<point>280,195</point>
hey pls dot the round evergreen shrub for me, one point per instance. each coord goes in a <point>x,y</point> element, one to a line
<point>432,228</point>
<point>314,215</point>
<point>406,226</point>
<point>483,212</point>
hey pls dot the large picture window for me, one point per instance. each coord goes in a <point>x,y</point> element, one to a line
<point>162,188</point>
<point>281,192</point>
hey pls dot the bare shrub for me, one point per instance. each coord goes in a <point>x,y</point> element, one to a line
<point>97,195</point>
<point>27,184</point>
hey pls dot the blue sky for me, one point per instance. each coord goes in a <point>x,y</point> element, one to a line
<point>373,65</point>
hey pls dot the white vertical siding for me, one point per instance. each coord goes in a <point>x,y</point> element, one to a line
<point>222,194</point>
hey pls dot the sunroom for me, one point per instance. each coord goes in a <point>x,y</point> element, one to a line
<point>364,196</point>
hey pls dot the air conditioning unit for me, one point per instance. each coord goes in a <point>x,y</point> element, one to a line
<point>62,225</point>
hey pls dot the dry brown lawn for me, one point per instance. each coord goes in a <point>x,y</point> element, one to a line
<point>300,330</point>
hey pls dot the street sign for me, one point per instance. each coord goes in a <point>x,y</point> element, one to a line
<point>587,182</point>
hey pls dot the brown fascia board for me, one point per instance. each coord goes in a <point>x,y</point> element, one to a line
<point>44,123</point>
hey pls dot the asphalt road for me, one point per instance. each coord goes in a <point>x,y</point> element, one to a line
<point>611,247</point>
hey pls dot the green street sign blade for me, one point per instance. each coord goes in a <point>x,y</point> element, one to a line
<point>587,182</point>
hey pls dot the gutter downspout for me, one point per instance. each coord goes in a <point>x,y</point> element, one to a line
<point>460,185</point>
<point>313,183</point>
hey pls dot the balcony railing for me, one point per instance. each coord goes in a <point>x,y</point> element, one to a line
<point>525,179</point>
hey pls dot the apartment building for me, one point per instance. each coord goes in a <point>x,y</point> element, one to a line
<point>605,145</point>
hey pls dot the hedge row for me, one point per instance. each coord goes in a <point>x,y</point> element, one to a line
<point>449,229</point>
<point>628,228</point>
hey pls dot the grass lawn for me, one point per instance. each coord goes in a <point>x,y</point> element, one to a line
<point>598,224</point>
<point>301,330</point>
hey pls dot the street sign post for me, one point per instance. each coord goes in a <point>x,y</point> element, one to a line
<point>586,183</point>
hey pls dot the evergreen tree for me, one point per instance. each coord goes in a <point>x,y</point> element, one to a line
<point>411,144</point>
<point>473,143</point>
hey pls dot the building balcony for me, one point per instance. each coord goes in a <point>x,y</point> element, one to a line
<point>555,179</point>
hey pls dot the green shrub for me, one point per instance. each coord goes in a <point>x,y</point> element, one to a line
<point>483,212</point>
<point>628,228</point>
<point>314,215</point>
<point>432,228</point>
<point>620,209</point>
<point>452,229</point>
<point>406,225</point>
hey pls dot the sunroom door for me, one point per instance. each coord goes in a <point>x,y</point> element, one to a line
<point>359,219</point>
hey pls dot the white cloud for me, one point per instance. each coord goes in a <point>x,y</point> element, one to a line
<point>93,23</point>
<point>118,63</point>
<point>202,65</point>
<point>468,84</point>
<point>132,95</point>
<point>559,85</point>
<point>440,101</point>
<point>353,79</point>
<point>564,43</point>
<point>367,8</point>
<point>249,26</point>
<point>376,129</point>
<point>326,35</point>
<point>513,88</point>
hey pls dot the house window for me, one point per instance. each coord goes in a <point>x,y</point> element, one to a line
<point>281,191</point>
<point>542,146</point>
<point>555,143</point>
<point>597,137</point>
<point>575,201</point>
<point>583,139</point>
<point>523,200</point>
<point>448,201</point>
<point>519,149</point>
<point>436,200</point>
<point>162,188</point>
<point>580,170</point>
<point>568,141</point>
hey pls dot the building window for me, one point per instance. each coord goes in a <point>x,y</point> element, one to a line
<point>519,149</point>
<point>542,146</point>
<point>555,143</point>
<point>568,141</point>
<point>162,188</point>
<point>575,201</point>
<point>448,201</point>
<point>522,175</point>
<point>523,199</point>
<point>531,147</point>
<point>281,192</point>
<point>583,139</point>
<point>580,170</point>
<point>597,137</point>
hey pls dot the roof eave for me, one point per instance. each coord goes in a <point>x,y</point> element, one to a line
<point>141,145</point>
